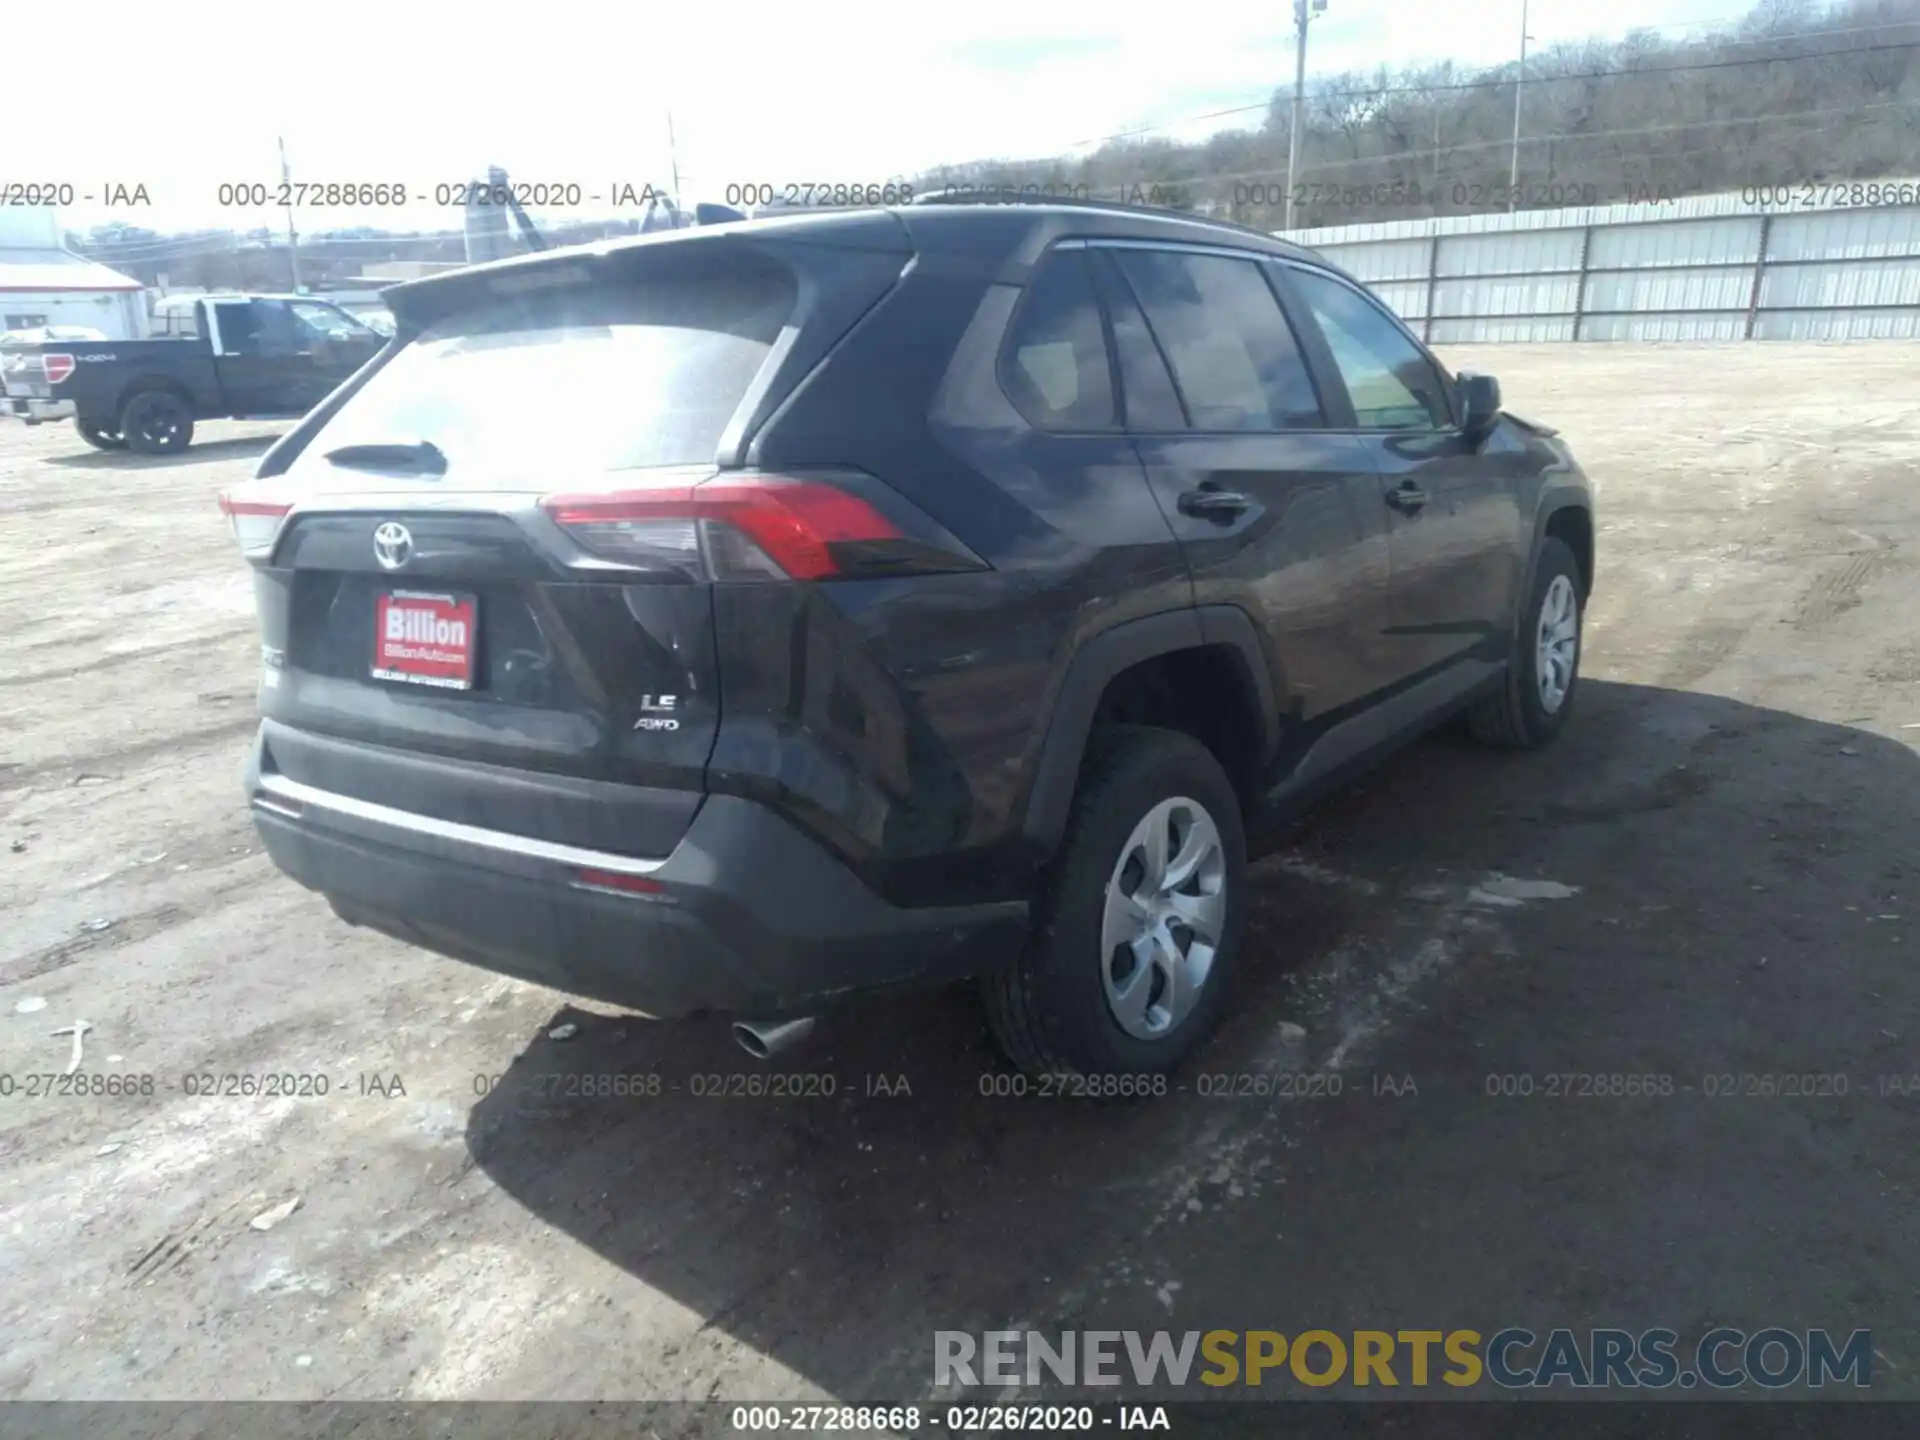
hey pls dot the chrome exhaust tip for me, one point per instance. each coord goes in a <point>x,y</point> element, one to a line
<point>763,1039</point>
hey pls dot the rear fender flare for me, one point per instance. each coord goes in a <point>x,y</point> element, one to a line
<point>1094,665</point>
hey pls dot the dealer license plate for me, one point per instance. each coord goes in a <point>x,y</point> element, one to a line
<point>425,638</point>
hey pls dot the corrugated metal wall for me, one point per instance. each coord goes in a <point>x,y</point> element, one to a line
<point>1788,266</point>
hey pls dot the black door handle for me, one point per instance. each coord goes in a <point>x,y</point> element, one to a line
<point>1218,505</point>
<point>1407,497</point>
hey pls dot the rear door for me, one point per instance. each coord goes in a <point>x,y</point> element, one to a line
<point>257,358</point>
<point>1277,512</point>
<point>1450,504</point>
<point>1057,370</point>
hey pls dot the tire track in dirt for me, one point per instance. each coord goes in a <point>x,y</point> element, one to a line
<point>131,756</point>
<point>1837,589</point>
<point>127,930</point>
<point>115,659</point>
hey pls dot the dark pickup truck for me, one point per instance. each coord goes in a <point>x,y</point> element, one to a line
<point>241,357</point>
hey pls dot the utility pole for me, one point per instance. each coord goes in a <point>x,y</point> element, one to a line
<point>1303,11</point>
<point>293,238</point>
<point>1519,88</point>
<point>1436,152</point>
<point>673,160</point>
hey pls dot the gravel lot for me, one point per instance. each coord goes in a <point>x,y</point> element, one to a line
<point>1730,827</point>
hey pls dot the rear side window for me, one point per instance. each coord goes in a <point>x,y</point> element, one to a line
<point>275,331</point>
<point>1231,351</point>
<point>1055,368</point>
<point>518,389</point>
<point>237,327</point>
<point>1392,385</point>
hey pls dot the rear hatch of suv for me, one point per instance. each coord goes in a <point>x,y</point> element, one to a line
<point>486,571</point>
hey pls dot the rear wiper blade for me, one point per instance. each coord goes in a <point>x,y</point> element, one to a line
<point>420,455</point>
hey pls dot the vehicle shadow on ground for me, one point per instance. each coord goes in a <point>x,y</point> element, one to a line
<point>202,453</point>
<point>898,1188</point>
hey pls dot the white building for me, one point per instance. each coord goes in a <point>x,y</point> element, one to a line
<point>42,283</point>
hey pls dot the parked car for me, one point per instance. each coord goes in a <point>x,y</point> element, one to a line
<point>243,357</point>
<point>910,596</point>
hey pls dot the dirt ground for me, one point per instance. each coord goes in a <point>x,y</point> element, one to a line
<point>1731,829</point>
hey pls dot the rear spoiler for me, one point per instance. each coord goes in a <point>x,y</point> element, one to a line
<point>418,303</point>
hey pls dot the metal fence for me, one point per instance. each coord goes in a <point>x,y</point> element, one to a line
<point>1814,262</point>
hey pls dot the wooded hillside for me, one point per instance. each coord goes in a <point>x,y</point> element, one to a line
<point>1795,94</point>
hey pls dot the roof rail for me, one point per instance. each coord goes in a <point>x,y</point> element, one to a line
<point>1013,195</point>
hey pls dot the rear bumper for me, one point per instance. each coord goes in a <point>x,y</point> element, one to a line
<point>751,916</point>
<point>35,412</point>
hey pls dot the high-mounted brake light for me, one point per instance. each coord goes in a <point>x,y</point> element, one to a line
<point>740,527</point>
<point>57,367</point>
<point>255,522</point>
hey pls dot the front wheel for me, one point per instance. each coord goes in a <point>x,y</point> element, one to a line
<point>1532,704</point>
<point>157,422</point>
<point>1137,928</point>
<point>100,437</point>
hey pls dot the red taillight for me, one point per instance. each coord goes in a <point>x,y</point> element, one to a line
<point>758,526</point>
<point>57,367</point>
<point>255,522</point>
<point>585,879</point>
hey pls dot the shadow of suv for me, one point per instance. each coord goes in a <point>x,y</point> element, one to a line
<point>908,595</point>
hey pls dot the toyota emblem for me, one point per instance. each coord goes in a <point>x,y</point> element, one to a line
<point>392,545</point>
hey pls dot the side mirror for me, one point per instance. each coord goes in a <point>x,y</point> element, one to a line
<point>1479,397</point>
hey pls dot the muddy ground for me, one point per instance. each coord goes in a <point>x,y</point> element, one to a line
<point>1731,829</point>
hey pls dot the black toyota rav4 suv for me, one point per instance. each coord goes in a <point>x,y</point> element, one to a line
<point>749,619</point>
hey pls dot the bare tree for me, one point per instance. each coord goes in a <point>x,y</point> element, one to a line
<point>1793,92</point>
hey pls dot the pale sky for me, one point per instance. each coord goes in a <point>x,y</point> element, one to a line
<point>835,90</point>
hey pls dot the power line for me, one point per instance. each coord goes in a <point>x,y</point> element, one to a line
<point>1637,130</point>
<point>1375,91</point>
<point>109,251</point>
<point>263,237</point>
<point>1792,34</point>
<point>203,243</point>
<point>1665,25</point>
<point>1400,155</point>
<point>190,246</point>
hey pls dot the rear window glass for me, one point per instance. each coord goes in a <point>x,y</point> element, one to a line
<point>516,389</point>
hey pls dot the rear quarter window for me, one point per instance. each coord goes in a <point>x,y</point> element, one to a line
<point>1055,369</point>
<point>517,389</point>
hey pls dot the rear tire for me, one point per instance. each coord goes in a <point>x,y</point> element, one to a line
<point>1532,704</point>
<point>157,422</point>
<point>1153,858</point>
<point>100,437</point>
